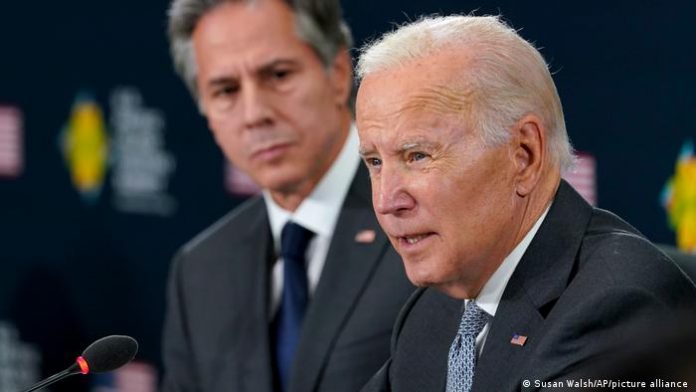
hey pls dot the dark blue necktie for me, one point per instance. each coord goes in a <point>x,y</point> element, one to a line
<point>293,246</point>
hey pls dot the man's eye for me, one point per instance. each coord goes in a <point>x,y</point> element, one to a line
<point>417,156</point>
<point>277,78</point>
<point>373,162</point>
<point>224,91</point>
<point>280,74</point>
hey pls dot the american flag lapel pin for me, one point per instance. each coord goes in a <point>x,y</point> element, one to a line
<point>518,340</point>
<point>365,236</point>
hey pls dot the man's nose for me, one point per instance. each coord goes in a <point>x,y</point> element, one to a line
<point>256,106</point>
<point>390,193</point>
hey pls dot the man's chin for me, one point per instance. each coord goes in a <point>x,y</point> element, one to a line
<point>419,277</point>
<point>279,180</point>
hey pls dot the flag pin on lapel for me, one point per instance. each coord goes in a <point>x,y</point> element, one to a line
<point>518,340</point>
<point>365,236</point>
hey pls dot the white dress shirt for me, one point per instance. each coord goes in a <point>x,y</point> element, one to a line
<point>491,293</point>
<point>318,213</point>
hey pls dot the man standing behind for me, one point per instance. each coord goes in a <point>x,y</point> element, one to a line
<point>462,130</point>
<point>298,289</point>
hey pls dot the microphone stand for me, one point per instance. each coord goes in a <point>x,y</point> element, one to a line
<point>74,369</point>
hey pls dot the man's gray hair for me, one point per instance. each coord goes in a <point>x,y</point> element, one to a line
<point>508,75</point>
<point>318,22</point>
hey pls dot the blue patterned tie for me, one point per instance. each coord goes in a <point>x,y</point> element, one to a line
<point>288,323</point>
<point>462,354</point>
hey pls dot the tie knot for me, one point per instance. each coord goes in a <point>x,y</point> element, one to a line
<point>294,240</point>
<point>473,320</point>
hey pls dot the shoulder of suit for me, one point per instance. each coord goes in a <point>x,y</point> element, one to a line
<point>620,255</point>
<point>234,226</point>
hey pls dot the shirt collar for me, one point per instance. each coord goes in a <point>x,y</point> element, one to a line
<point>319,211</point>
<point>489,297</point>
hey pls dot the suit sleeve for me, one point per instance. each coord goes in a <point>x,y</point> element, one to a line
<point>178,358</point>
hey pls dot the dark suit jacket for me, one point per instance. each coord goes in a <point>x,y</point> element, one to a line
<point>216,335</point>
<point>685,261</point>
<point>585,280</point>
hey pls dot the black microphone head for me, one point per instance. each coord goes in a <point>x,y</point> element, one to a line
<point>110,353</point>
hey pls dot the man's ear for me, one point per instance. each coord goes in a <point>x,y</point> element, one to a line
<point>341,74</point>
<point>529,153</point>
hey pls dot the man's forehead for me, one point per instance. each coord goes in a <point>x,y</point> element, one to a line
<point>405,90</point>
<point>439,99</point>
<point>225,48</point>
<point>239,25</point>
<point>431,108</point>
<point>428,134</point>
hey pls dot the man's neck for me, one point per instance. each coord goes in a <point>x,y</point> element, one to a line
<point>536,204</point>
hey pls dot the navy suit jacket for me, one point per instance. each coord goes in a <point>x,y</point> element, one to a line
<point>216,335</point>
<point>583,284</point>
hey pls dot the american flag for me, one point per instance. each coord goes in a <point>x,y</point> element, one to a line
<point>583,177</point>
<point>11,149</point>
<point>518,340</point>
<point>365,237</point>
<point>239,183</point>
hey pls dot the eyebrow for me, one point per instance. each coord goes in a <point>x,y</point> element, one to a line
<point>407,146</point>
<point>222,81</point>
<point>364,151</point>
<point>264,68</point>
<point>261,70</point>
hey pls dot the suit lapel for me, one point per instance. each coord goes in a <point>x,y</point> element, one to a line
<point>538,281</point>
<point>348,267</point>
<point>499,363</point>
<point>251,264</point>
<point>230,294</point>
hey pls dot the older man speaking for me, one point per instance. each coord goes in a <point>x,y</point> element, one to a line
<point>463,133</point>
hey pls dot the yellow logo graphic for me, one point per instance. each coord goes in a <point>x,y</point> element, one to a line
<point>679,198</point>
<point>85,147</point>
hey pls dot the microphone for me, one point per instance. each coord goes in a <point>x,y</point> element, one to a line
<point>104,355</point>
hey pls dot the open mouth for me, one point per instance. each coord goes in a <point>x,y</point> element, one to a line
<point>414,238</point>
